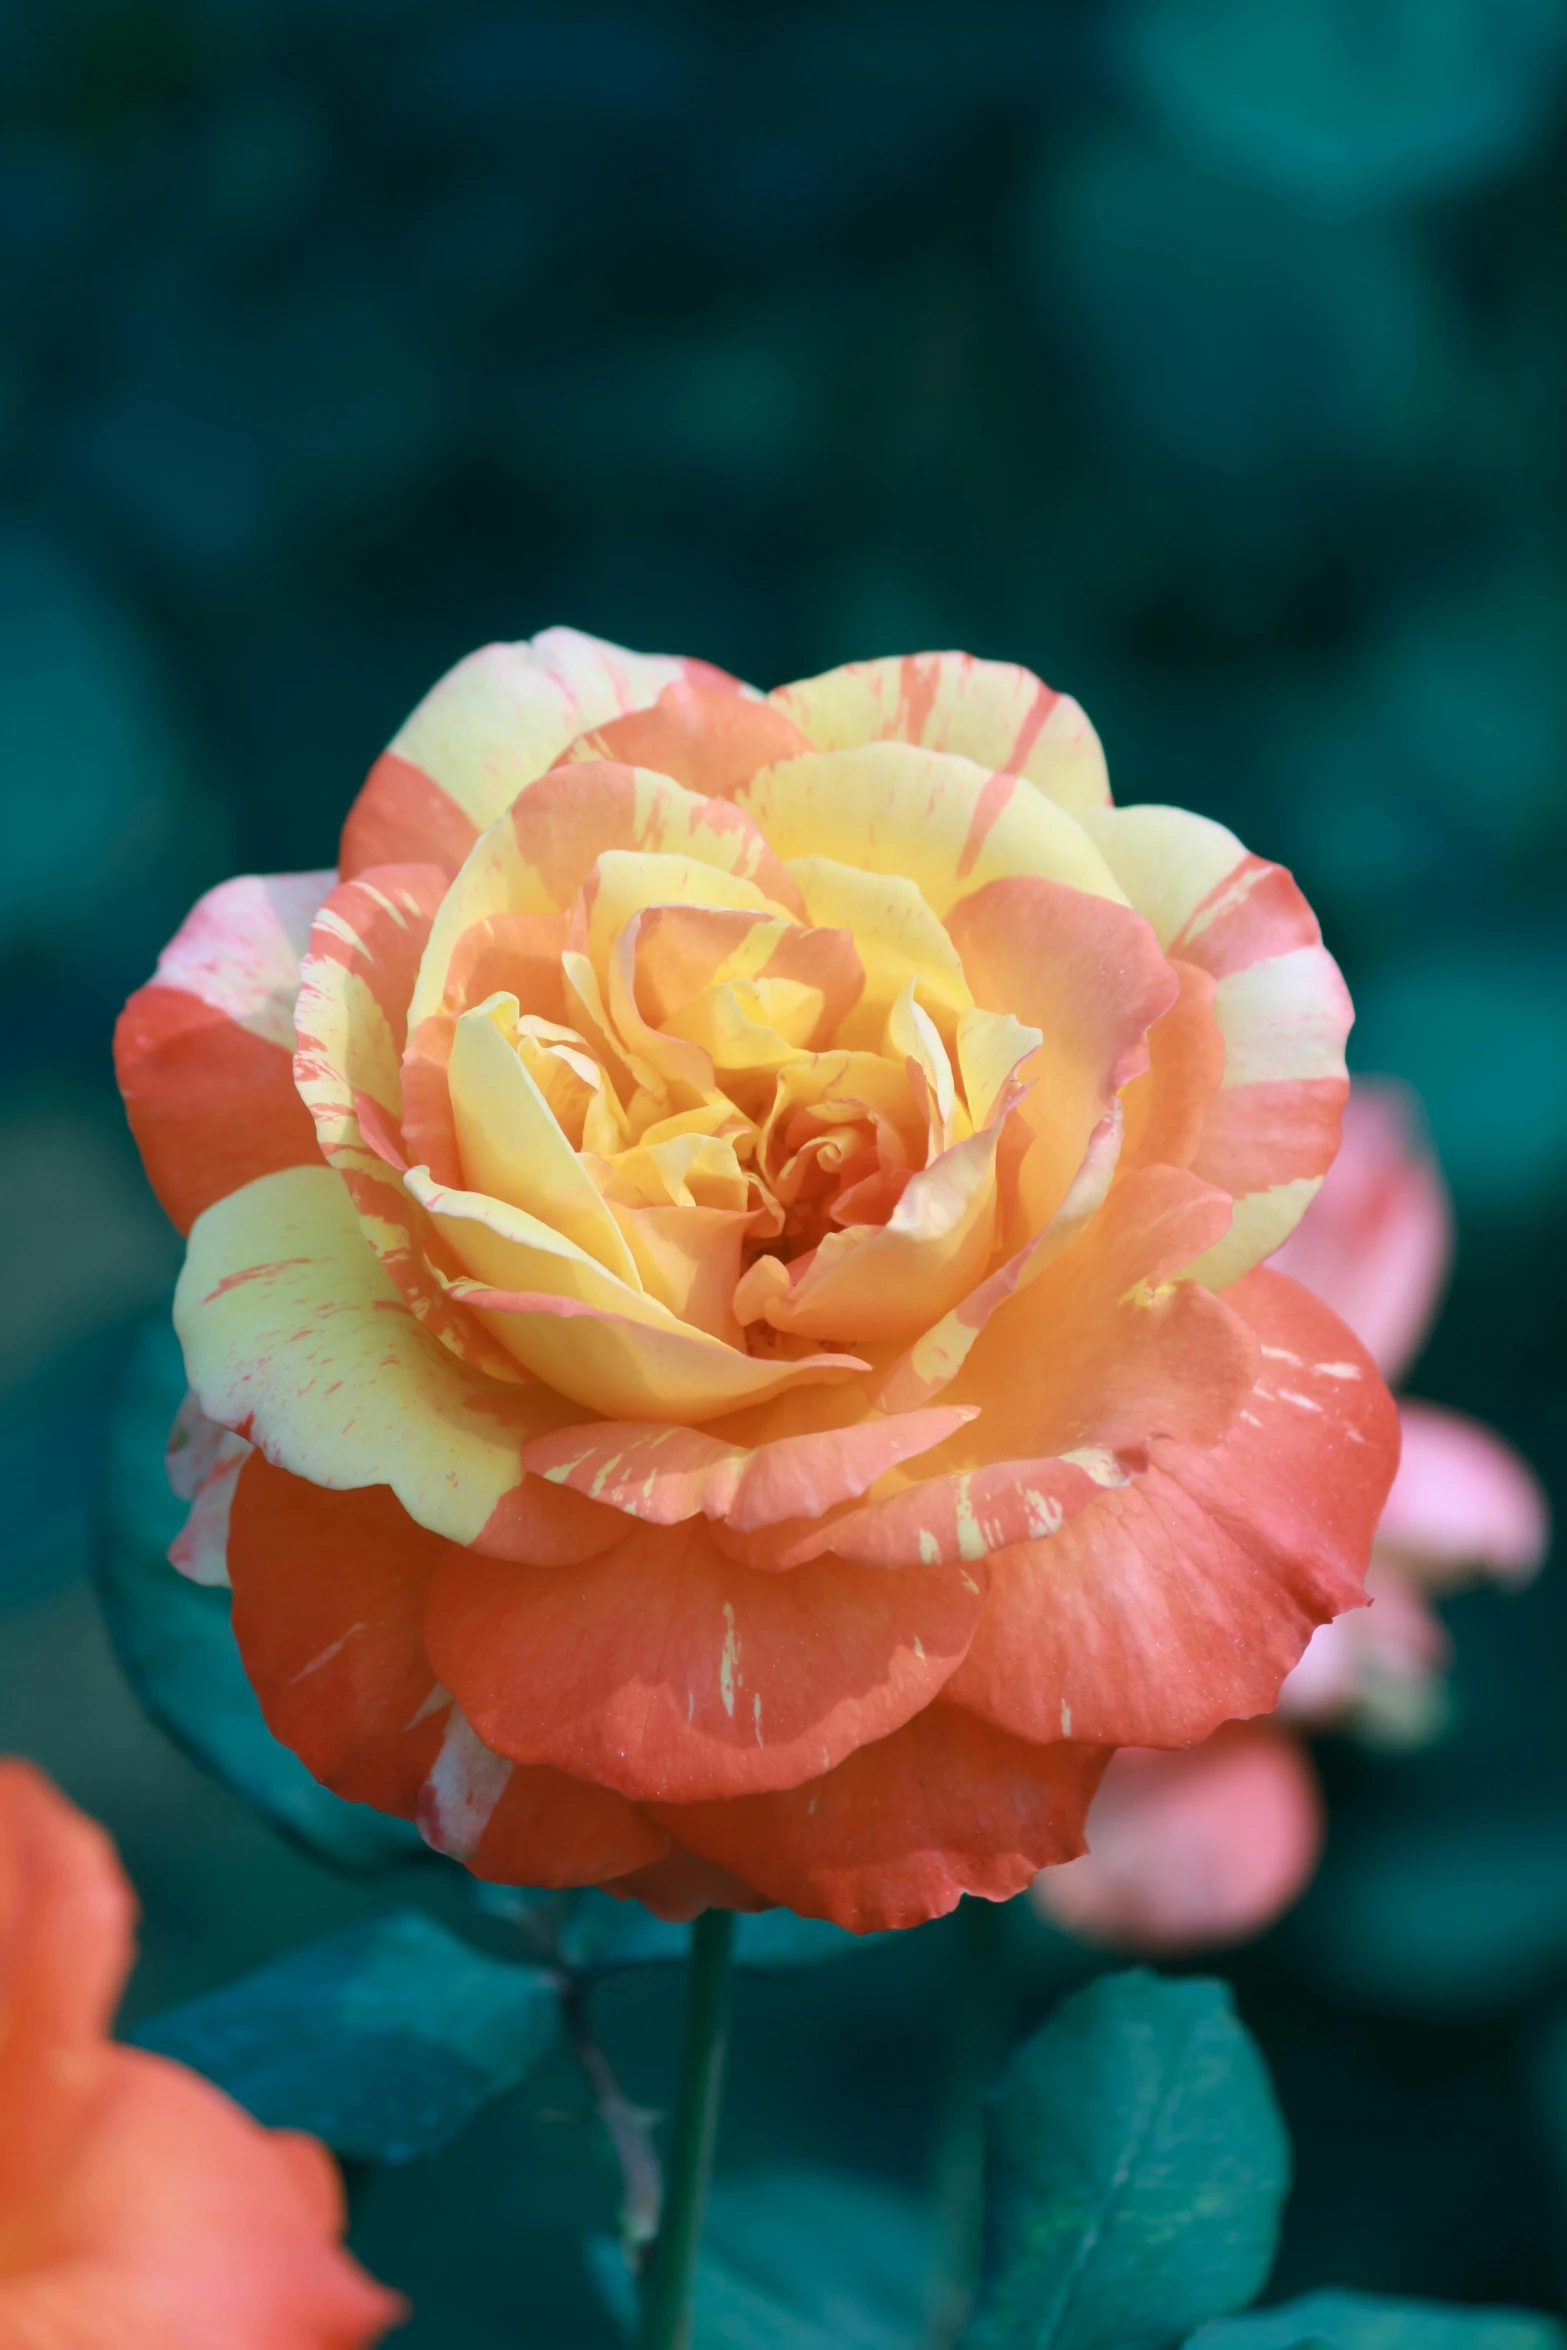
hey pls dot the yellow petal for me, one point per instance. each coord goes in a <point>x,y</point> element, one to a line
<point>898,938</point>
<point>989,711</point>
<point>942,822</point>
<point>511,1144</point>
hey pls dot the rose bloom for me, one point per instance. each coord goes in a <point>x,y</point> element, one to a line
<point>732,1226</point>
<point>1210,1846</point>
<point>139,2208</point>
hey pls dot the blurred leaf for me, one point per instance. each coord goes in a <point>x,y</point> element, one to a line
<point>1365,2321</point>
<point>797,2260</point>
<point>604,1932</point>
<point>1349,103</point>
<point>175,1643</point>
<point>1437,1915</point>
<point>1138,2164</point>
<point>385,2040</point>
<point>1242,344</point>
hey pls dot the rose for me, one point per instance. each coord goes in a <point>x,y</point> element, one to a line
<point>1207,1847</point>
<point>745,1297</point>
<point>138,2206</point>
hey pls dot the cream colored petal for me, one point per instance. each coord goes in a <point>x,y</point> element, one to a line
<point>296,1338</point>
<point>990,711</point>
<point>990,1047</point>
<point>940,821</point>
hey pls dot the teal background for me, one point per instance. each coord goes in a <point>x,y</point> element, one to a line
<point>1208,357</point>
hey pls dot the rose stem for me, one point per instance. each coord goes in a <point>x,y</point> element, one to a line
<point>979,1999</point>
<point>671,2271</point>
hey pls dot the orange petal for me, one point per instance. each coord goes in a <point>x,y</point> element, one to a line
<point>904,1828</point>
<point>1089,975</point>
<point>1281,1007</point>
<point>204,1052</point>
<point>1182,1600</point>
<point>1167,1107</point>
<point>667,1474</point>
<point>710,737</point>
<point>664,1671</point>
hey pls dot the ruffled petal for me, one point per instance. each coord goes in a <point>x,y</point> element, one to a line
<point>665,1671</point>
<point>1089,975</point>
<point>1103,1351</point>
<point>903,1829</point>
<point>664,1475</point>
<point>492,724</point>
<point>1183,1599</point>
<point>992,712</point>
<point>204,1052</point>
<point>942,822</point>
<point>542,847</point>
<point>1282,1008</point>
<point>365,946</point>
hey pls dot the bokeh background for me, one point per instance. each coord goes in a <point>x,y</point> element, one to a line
<point>1209,357</point>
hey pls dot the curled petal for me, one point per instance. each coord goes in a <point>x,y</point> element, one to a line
<point>1000,716</point>
<point>663,1670</point>
<point>493,723</point>
<point>204,1052</point>
<point>711,737</point>
<point>904,1828</point>
<point>1181,1600</point>
<point>1088,974</point>
<point>1283,1011</point>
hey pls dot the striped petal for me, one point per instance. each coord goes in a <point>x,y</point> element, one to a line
<point>536,856</point>
<point>204,1052</point>
<point>1089,976</point>
<point>667,1474</point>
<point>492,724</point>
<point>296,1337</point>
<point>992,712</point>
<point>1183,1599</point>
<point>663,1670</point>
<point>711,737</point>
<point>900,1831</point>
<point>1104,1351</point>
<point>1282,1009</point>
<point>940,821</point>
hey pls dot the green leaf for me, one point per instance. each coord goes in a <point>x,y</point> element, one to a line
<point>798,2260</point>
<point>385,2040</point>
<point>1138,2163</point>
<point>175,1643</point>
<point>1365,2321</point>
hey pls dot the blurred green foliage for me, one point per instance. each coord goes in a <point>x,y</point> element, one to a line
<point>1211,359</point>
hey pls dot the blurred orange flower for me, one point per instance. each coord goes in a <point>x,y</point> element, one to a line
<point>1209,1847</point>
<point>733,1227</point>
<point>139,2208</point>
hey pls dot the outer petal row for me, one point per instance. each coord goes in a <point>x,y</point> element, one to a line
<point>1269,1134</point>
<point>491,725</point>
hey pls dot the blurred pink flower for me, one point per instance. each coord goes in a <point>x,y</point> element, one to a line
<point>1209,1846</point>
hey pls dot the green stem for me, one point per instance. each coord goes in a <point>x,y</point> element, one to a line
<point>978,2017</point>
<point>671,2272</point>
